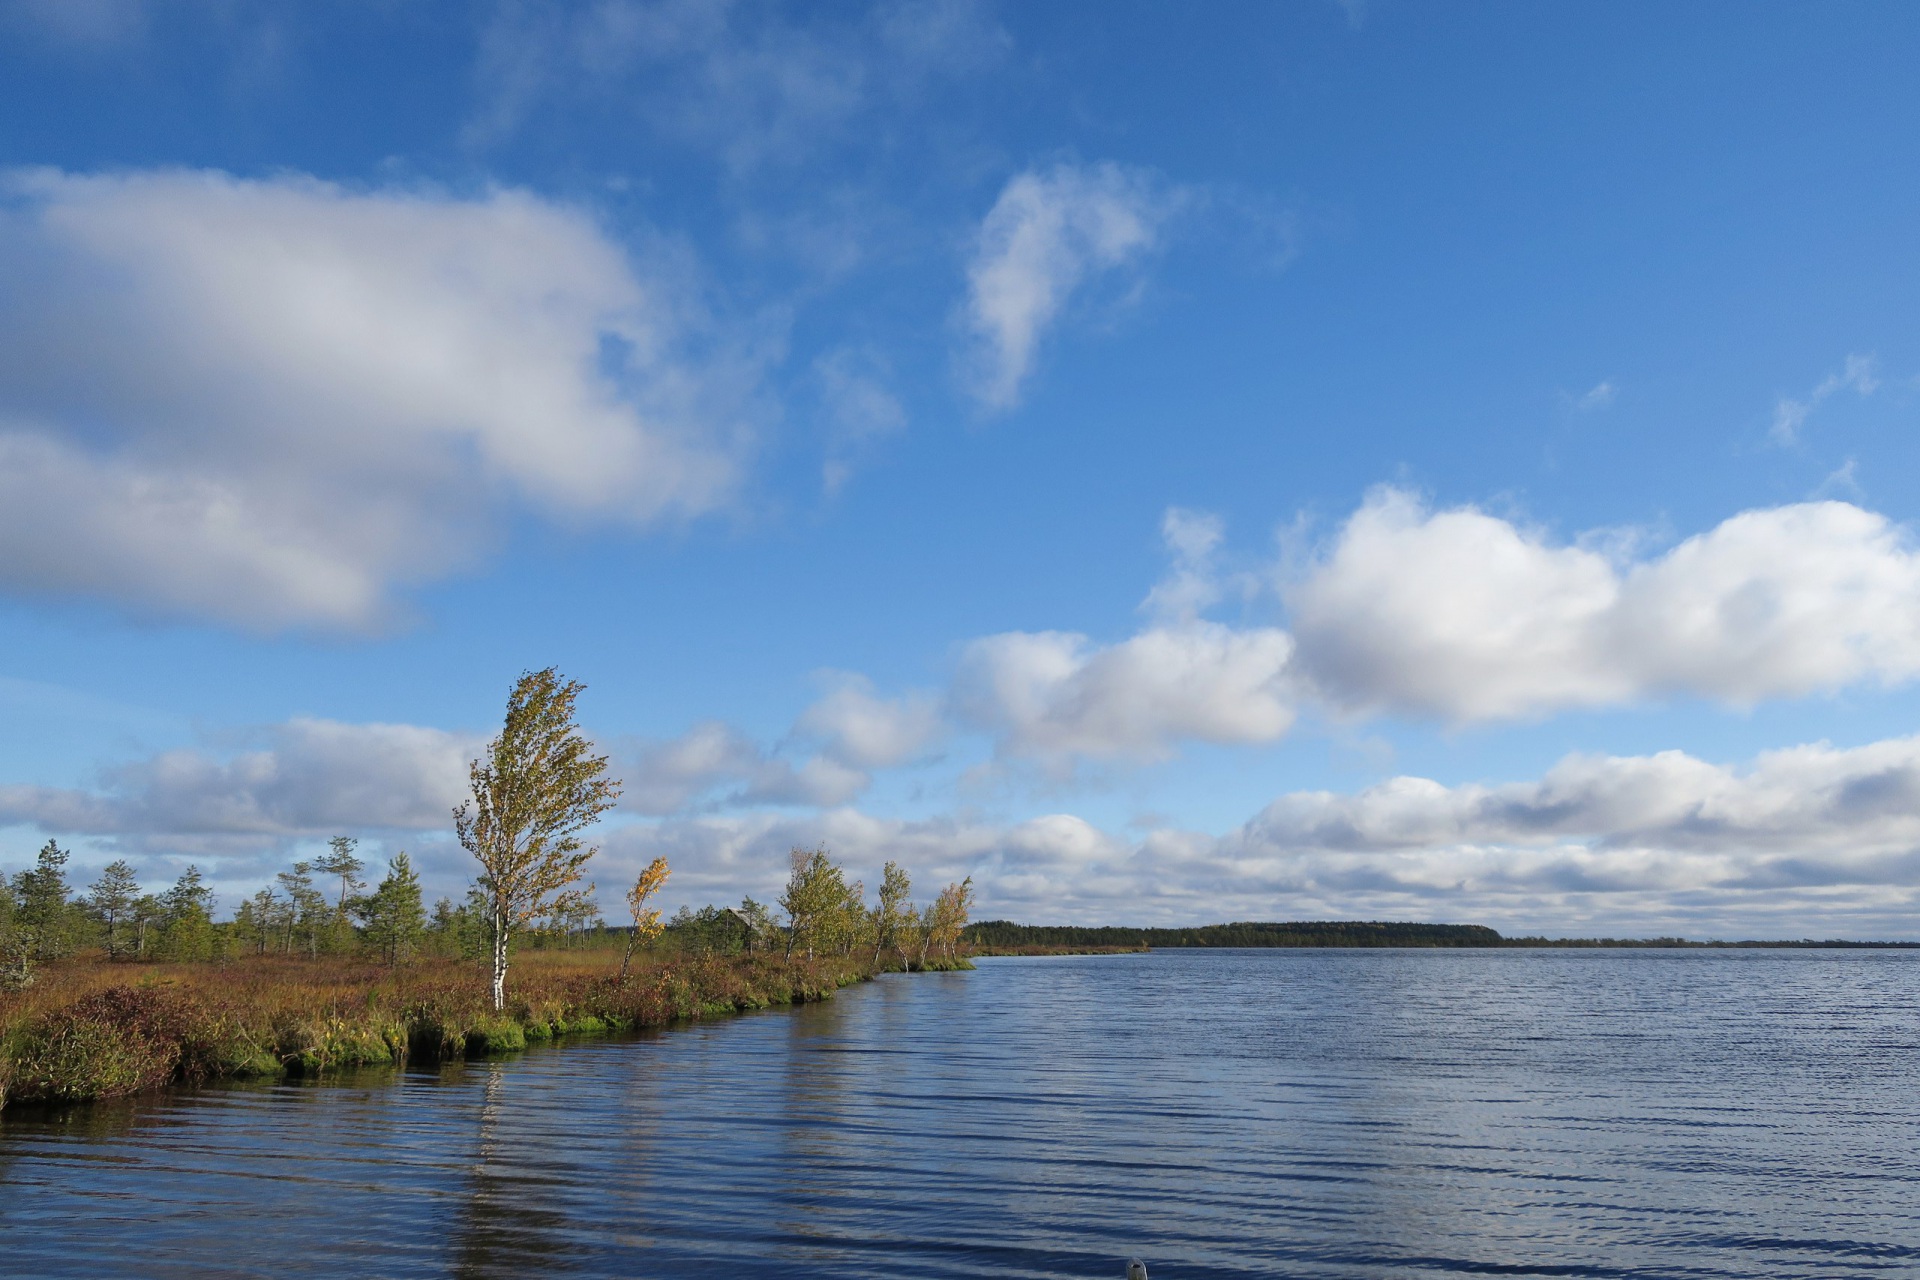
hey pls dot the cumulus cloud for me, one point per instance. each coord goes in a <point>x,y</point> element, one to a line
<point>1790,414</point>
<point>1050,233</point>
<point>303,778</point>
<point>1053,694</point>
<point>713,765</point>
<point>1806,800</point>
<point>1812,840</point>
<point>859,728</point>
<point>266,403</point>
<point>827,758</point>
<point>1191,585</point>
<point>1466,616</point>
<point>1813,830</point>
<point>725,856</point>
<point>1462,616</point>
<point>1057,695</point>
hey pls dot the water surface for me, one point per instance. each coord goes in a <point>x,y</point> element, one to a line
<point>1273,1113</point>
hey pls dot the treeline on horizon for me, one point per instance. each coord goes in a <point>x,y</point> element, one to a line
<point>1005,935</point>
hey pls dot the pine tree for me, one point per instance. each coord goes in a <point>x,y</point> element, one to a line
<point>186,925</point>
<point>111,899</point>
<point>394,915</point>
<point>16,950</point>
<point>45,916</point>
<point>339,860</point>
<point>307,906</point>
<point>761,930</point>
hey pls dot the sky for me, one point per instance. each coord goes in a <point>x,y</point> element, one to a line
<point>1170,463</point>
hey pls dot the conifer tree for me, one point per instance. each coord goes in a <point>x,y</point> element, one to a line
<point>307,906</point>
<point>111,900</point>
<point>16,950</point>
<point>44,915</point>
<point>761,930</point>
<point>394,915</point>
<point>339,860</point>
<point>186,909</point>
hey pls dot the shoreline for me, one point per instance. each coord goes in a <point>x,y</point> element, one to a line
<point>95,1030</point>
<point>1004,937</point>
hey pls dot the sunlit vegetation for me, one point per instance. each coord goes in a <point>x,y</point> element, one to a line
<point>538,786</point>
<point>115,989</point>
<point>88,1030</point>
<point>112,990</point>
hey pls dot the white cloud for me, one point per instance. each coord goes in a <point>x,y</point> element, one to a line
<point>305,778</point>
<point>715,765</point>
<point>1463,616</point>
<point>861,729</point>
<point>1047,235</point>
<point>1789,414</point>
<point>1191,586</point>
<point>1812,832</point>
<point>724,857</point>
<point>1596,397</point>
<point>1054,695</point>
<point>1466,616</point>
<point>1810,841</point>
<point>826,760</point>
<point>267,403</point>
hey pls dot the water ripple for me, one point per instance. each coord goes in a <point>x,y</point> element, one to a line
<point>1327,1114</point>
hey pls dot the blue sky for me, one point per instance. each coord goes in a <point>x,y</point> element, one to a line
<point>1173,464</point>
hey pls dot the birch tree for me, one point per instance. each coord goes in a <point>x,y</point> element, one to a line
<point>815,891</point>
<point>536,789</point>
<point>646,920</point>
<point>950,915</point>
<point>894,910</point>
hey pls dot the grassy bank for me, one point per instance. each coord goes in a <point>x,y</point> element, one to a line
<point>89,1029</point>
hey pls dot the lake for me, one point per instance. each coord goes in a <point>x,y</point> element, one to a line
<point>1317,1113</point>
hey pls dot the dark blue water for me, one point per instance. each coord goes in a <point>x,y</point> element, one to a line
<point>1284,1113</point>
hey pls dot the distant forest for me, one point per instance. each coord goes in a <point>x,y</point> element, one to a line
<point>1003,935</point>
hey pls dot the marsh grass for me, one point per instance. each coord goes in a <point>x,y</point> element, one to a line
<point>89,1029</point>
